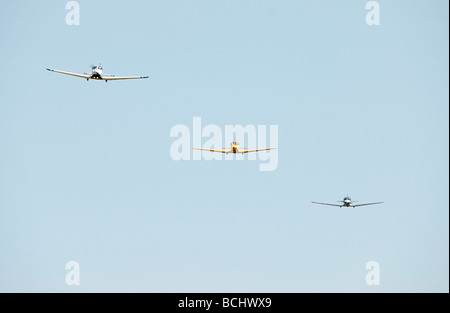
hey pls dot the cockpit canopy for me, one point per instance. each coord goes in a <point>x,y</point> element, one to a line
<point>347,199</point>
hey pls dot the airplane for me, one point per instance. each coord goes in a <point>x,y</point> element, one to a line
<point>97,73</point>
<point>347,202</point>
<point>234,149</point>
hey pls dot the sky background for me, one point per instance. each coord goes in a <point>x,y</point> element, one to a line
<point>85,167</point>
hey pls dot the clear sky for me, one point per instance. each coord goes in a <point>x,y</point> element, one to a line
<point>86,173</point>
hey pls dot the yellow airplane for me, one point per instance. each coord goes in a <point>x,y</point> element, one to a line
<point>234,149</point>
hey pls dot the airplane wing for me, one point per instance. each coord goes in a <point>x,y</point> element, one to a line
<point>69,73</point>
<point>122,77</point>
<point>327,204</point>
<point>366,204</point>
<point>256,150</point>
<point>212,150</point>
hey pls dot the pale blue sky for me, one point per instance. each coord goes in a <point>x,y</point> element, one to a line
<point>86,174</point>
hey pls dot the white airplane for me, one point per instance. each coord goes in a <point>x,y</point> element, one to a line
<point>347,202</point>
<point>234,149</point>
<point>97,73</point>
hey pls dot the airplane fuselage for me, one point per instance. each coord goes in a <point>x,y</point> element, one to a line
<point>347,202</point>
<point>235,149</point>
<point>97,73</point>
